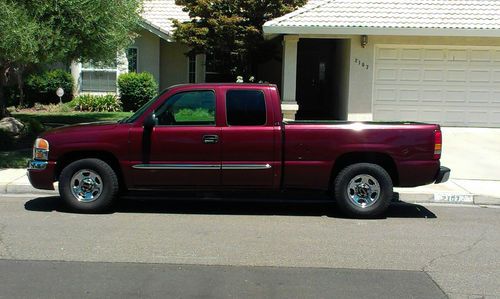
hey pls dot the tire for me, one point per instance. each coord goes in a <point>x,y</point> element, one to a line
<point>363,190</point>
<point>89,186</point>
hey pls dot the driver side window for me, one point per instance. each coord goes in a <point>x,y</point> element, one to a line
<point>191,108</point>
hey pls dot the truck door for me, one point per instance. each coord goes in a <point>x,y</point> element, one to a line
<point>249,137</point>
<point>183,149</point>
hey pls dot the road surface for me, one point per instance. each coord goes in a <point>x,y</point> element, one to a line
<point>224,249</point>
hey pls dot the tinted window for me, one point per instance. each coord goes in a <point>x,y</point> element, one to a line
<point>245,108</point>
<point>188,109</point>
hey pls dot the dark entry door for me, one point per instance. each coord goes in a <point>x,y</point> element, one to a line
<point>317,90</point>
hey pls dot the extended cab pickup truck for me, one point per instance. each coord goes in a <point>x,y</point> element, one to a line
<point>220,137</point>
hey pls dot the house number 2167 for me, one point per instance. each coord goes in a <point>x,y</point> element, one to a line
<point>361,63</point>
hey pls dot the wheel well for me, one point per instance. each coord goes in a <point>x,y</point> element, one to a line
<point>107,157</point>
<point>383,160</point>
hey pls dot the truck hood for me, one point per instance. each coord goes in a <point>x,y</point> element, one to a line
<point>82,128</point>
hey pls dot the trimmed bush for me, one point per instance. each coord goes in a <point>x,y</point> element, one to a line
<point>42,87</point>
<point>96,103</point>
<point>6,140</point>
<point>136,89</point>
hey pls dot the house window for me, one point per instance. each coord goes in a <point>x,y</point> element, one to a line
<point>132,59</point>
<point>211,70</point>
<point>98,77</point>
<point>192,68</point>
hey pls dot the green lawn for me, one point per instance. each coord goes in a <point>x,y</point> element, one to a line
<point>20,152</point>
<point>15,159</point>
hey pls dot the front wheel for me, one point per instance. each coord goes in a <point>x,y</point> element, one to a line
<point>363,190</point>
<point>88,185</point>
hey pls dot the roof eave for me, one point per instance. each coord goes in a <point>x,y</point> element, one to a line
<point>156,31</point>
<point>323,30</point>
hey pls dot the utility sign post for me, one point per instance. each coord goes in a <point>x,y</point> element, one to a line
<point>60,93</point>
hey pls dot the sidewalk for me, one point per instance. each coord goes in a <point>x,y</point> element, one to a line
<point>455,191</point>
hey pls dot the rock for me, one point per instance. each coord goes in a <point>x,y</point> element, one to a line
<point>11,125</point>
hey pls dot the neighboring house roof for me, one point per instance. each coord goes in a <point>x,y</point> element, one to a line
<point>392,17</point>
<point>158,15</point>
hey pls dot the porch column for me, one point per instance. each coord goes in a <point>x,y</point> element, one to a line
<point>200,68</point>
<point>121,66</point>
<point>76,73</point>
<point>289,76</point>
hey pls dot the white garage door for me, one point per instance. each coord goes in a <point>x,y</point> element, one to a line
<point>452,86</point>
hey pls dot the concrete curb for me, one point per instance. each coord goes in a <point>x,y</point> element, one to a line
<point>454,198</point>
<point>456,191</point>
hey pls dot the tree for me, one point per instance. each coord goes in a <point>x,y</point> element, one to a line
<point>44,32</point>
<point>231,30</point>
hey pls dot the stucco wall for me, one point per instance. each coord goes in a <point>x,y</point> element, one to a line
<point>148,53</point>
<point>174,64</point>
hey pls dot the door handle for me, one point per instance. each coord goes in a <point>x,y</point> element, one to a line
<point>210,139</point>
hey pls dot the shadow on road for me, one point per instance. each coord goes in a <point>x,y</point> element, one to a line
<point>225,206</point>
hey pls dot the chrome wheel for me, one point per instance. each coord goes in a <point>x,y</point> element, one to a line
<point>86,185</point>
<point>363,190</point>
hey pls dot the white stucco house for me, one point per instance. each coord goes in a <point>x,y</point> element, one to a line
<point>422,60</point>
<point>153,51</point>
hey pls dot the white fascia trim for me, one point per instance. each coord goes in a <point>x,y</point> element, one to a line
<point>274,30</point>
<point>156,31</point>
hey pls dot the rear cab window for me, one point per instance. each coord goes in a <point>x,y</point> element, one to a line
<point>246,108</point>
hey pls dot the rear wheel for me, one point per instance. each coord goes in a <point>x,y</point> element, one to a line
<point>363,190</point>
<point>88,185</point>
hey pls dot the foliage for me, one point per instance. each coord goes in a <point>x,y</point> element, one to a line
<point>198,114</point>
<point>136,89</point>
<point>15,159</point>
<point>6,140</point>
<point>44,32</point>
<point>43,86</point>
<point>96,103</point>
<point>231,30</point>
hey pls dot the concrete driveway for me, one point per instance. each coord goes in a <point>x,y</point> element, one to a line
<point>472,153</point>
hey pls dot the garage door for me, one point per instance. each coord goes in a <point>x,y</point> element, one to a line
<point>452,86</point>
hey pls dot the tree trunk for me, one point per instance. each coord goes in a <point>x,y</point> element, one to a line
<point>3,81</point>
<point>20,84</point>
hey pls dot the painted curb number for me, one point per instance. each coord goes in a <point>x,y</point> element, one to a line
<point>453,198</point>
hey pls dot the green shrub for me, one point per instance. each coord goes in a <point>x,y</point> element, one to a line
<point>42,87</point>
<point>136,89</point>
<point>96,103</point>
<point>32,127</point>
<point>6,140</point>
<point>53,108</point>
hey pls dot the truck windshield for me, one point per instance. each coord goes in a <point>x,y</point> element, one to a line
<point>141,110</point>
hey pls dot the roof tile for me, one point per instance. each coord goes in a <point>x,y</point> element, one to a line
<point>159,13</point>
<point>439,14</point>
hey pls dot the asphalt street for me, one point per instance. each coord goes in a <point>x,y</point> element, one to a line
<point>224,249</point>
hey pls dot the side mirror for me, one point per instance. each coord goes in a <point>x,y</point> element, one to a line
<point>150,121</point>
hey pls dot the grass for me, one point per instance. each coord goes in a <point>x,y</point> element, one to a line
<point>15,159</point>
<point>20,152</point>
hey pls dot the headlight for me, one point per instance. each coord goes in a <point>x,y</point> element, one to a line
<point>41,149</point>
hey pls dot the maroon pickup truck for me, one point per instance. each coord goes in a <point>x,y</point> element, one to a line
<point>225,137</point>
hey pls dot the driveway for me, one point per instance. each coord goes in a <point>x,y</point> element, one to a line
<point>472,153</point>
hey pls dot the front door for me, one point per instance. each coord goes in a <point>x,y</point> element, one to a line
<point>184,148</point>
<point>317,83</point>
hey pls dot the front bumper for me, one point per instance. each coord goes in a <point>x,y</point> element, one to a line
<point>41,174</point>
<point>443,175</point>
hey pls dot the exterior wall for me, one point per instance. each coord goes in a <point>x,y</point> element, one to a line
<point>361,77</point>
<point>148,53</point>
<point>173,64</point>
